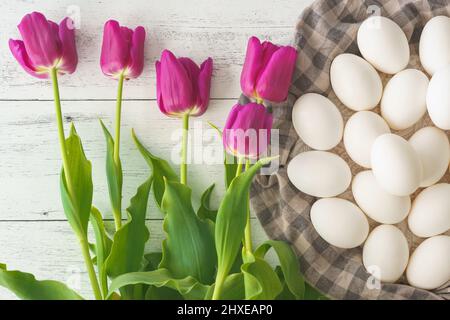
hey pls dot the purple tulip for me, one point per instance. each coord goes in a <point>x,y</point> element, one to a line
<point>247,130</point>
<point>45,46</point>
<point>122,51</point>
<point>181,86</point>
<point>267,70</point>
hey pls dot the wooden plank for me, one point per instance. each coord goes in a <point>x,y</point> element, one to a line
<point>49,250</point>
<point>30,158</point>
<point>35,236</point>
<point>196,29</point>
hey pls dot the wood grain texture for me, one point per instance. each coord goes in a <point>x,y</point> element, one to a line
<point>50,250</point>
<point>30,159</point>
<point>197,29</point>
<point>34,233</point>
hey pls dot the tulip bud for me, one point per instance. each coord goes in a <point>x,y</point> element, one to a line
<point>267,71</point>
<point>181,86</point>
<point>122,51</point>
<point>247,130</point>
<point>45,46</point>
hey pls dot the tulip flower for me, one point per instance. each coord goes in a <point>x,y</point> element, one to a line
<point>46,46</point>
<point>122,51</point>
<point>122,58</point>
<point>247,131</point>
<point>246,135</point>
<point>182,86</point>
<point>182,90</point>
<point>46,50</point>
<point>267,71</point>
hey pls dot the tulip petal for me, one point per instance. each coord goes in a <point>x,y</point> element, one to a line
<point>158,88</point>
<point>176,88</point>
<point>192,71</point>
<point>127,35</point>
<point>69,58</point>
<point>247,130</point>
<point>19,52</point>
<point>273,83</point>
<point>252,66</point>
<point>40,40</point>
<point>136,64</point>
<point>115,49</point>
<point>263,145</point>
<point>228,132</point>
<point>232,115</point>
<point>204,86</point>
<point>268,50</point>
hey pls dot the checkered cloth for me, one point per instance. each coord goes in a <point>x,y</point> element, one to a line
<point>326,29</point>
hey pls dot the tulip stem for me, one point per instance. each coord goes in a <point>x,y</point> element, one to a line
<point>248,247</point>
<point>220,278</point>
<point>184,148</point>
<point>239,167</point>
<point>118,212</point>
<point>62,138</point>
<point>90,269</point>
<point>67,177</point>
<point>118,118</point>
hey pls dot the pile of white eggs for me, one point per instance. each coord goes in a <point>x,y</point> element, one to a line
<point>400,178</point>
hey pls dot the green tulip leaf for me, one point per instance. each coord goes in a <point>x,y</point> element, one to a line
<point>127,250</point>
<point>230,162</point>
<point>113,173</point>
<point>231,166</point>
<point>152,259</point>
<point>261,281</point>
<point>289,265</point>
<point>162,293</point>
<point>236,267</point>
<point>26,287</point>
<point>285,294</point>
<point>102,248</point>
<point>312,293</point>
<point>77,206</point>
<point>189,248</point>
<point>188,287</point>
<point>232,289</point>
<point>232,218</point>
<point>205,212</point>
<point>160,169</point>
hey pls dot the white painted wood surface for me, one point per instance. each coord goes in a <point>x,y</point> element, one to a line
<point>34,235</point>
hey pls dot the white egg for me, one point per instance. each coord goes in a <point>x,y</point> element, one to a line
<point>376,202</point>
<point>435,44</point>
<point>319,174</point>
<point>438,98</point>
<point>430,212</point>
<point>339,222</point>
<point>386,253</point>
<point>404,99</point>
<point>360,133</point>
<point>433,149</point>
<point>429,266</point>
<point>317,121</point>
<point>384,44</point>
<point>396,166</point>
<point>355,82</point>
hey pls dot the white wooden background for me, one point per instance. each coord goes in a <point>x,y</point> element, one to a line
<point>34,234</point>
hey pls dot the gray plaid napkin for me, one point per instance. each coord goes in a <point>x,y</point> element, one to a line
<point>325,29</point>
